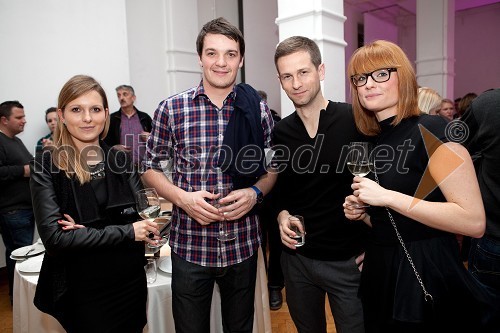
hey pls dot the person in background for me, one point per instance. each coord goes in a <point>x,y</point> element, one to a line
<point>51,120</point>
<point>456,101</point>
<point>483,142</point>
<point>202,130</point>
<point>464,104</point>
<point>327,263</point>
<point>447,110</point>
<point>17,224</point>
<point>263,95</point>
<point>128,127</point>
<point>271,241</point>
<point>421,191</point>
<point>92,277</point>
<point>429,101</point>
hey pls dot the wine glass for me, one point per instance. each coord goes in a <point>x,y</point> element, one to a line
<point>359,161</point>
<point>148,207</point>
<point>223,191</point>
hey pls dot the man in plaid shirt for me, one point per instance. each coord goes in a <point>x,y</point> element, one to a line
<point>188,131</point>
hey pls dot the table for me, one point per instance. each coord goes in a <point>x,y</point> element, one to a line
<point>28,319</point>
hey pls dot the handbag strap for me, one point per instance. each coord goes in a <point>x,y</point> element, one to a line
<point>427,296</point>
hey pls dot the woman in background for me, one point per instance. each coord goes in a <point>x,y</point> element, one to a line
<point>92,277</point>
<point>429,101</point>
<point>51,120</point>
<point>402,189</point>
<point>447,110</point>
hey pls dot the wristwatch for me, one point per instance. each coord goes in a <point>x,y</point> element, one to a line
<point>260,196</point>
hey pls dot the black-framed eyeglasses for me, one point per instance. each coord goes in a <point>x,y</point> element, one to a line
<point>379,76</point>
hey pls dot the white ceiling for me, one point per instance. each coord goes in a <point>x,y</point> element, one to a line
<point>396,8</point>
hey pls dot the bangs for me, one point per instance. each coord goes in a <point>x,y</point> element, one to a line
<point>370,58</point>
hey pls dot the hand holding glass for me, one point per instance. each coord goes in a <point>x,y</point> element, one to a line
<point>222,191</point>
<point>359,161</point>
<point>297,226</point>
<point>148,206</point>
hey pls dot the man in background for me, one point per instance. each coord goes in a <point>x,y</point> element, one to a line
<point>16,214</point>
<point>483,142</point>
<point>271,241</point>
<point>128,127</point>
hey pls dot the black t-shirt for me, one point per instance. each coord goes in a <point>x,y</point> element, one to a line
<point>313,181</point>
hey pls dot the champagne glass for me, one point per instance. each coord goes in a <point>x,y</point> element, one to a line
<point>223,191</point>
<point>359,160</point>
<point>148,206</point>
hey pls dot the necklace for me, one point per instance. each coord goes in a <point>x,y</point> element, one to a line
<point>97,171</point>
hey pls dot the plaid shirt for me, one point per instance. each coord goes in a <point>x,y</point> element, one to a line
<point>188,131</point>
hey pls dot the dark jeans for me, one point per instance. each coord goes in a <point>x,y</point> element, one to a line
<point>484,261</point>
<point>306,283</point>
<point>192,289</point>
<point>484,264</point>
<point>17,228</point>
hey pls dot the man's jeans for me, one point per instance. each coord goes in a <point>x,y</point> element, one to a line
<point>17,228</point>
<point>484,261</point>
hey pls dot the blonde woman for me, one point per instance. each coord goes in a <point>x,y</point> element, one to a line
<point>429,101</point>
<point>92,277</point>
<point>447,110</point>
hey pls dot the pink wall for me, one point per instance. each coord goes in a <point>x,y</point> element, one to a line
<point>477,44</point>
<point>477,49</point>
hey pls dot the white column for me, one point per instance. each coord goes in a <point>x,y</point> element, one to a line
<point>183,70</point>
<point>323,22</point>
<point>161,40</point>
<point>435,45</point>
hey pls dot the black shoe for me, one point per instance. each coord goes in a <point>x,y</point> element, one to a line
<point>275,298</point>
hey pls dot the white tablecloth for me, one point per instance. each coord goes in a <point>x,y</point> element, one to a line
<point>28,319</point>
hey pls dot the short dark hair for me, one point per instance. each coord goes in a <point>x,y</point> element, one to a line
<point>49,110</point>
<point>126,87</point>
<point>7,106</point>
<point>220,26</point>
<point>295,44</point>
<point>262,94</point>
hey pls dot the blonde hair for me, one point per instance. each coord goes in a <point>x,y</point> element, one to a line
<point>67,156</point>
<point>429,101</point>
<point>376,55</point>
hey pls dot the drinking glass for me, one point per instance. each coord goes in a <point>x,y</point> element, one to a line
<point>297,225</point>
<point>151,272</point>
<point>148,207</point>
<point>359,161</point>
<point>223,191</point>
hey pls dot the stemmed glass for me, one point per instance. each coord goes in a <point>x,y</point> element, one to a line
<point>222,191</point>
<point>148,207</point>
<point>359,160</point>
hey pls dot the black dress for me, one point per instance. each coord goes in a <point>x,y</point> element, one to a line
<point>393,299</point>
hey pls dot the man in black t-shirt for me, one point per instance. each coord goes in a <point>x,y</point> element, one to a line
<point>16,214</point>
<point>310,150</point>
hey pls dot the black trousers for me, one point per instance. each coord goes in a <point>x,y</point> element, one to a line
<point>192,289</point>
<point>271,241</point>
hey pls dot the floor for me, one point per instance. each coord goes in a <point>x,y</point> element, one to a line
<point>5,307</point>
<point>280,319</point>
